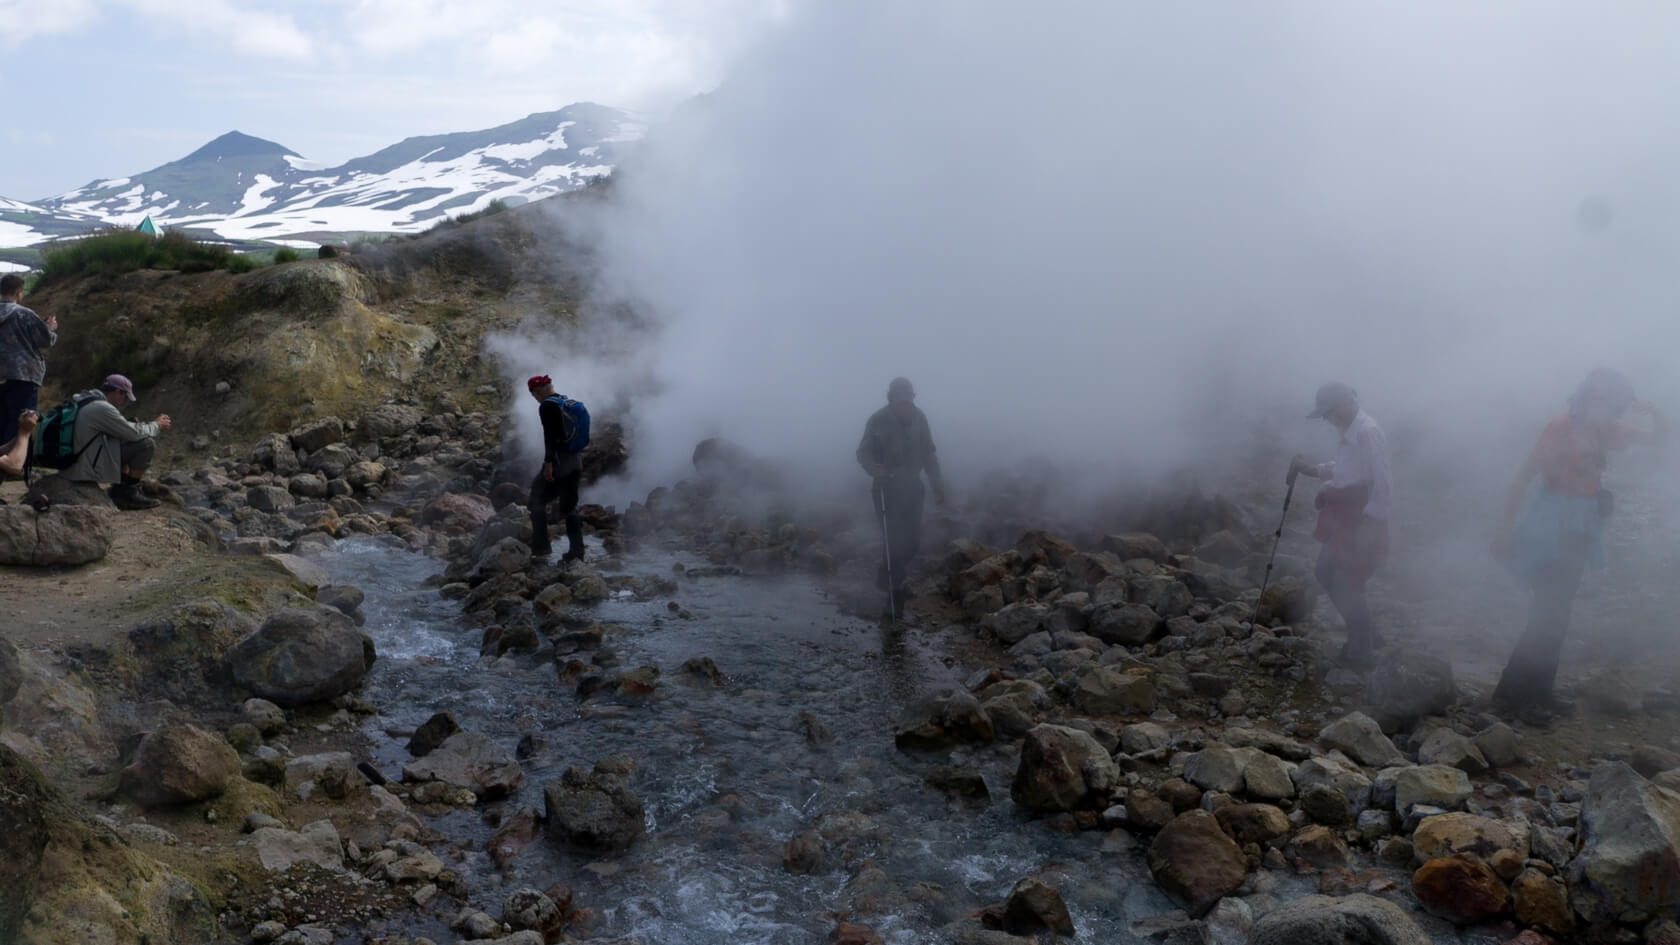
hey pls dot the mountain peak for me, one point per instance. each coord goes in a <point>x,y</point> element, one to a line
<point>237,144</point>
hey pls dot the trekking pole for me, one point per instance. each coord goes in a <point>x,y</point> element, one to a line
<point>1277,537</point>
<point>886,543</point>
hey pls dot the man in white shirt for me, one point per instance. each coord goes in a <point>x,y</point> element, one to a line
<point>1353,510</point>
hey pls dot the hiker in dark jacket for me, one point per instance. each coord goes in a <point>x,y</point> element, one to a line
<point>560,476</point>
<point>897,449</point>
<point>24,335</point>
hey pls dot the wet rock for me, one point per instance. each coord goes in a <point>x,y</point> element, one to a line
<point>952,718</point>
<point>1629,860</point>
<point>851,933</point>
<point>469,760</point>
<point>1410,687</point>
<point>343,598</point>
<point>1216,768</point>
<point>1358,919</point>
<point>1444,746</point>
<point>26,805</point>
<point>958,782</point>
<point>179,764</point>
<point>1254,823</point>
<point>513,834</point>
<point>1193,861</point>
<point>65,534</point>
<point>804,853</point>
<point>265,715</point>
<point>589,588</point>
<point>318,843</point>
<point>1461,889</point>
<point>331,773</point>
<point>594,809</point>
<point>1103,691</point>
<point>1542,902</point>
<point>1170,928</point>
<point>1033,906</point>
<point>1447,834</point>
<point>432,733</point>
<point>1319,846</point>
<point>301,655</point>
<point>552,599</point>
<point>1359,736</point>
<point>702,669</point>
<point>528,908</point>
<point>475,925</point>
<point>1125,624</point>
<point>1431,785</point>
<point>1063,769</point>
<point>506,556</point>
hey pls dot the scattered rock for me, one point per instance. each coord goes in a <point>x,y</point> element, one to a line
<point>528,908</point>
<point>1359,736</point>
<point>1141,737</point>
<point>1358,919</point>
<point>1319,846</point>
<point>951,718</point>
<point>1431,785</point>
<point>317,843</point>
<point>595,810</point>
<point>1254,823</point>
<point>1103,691</point>
<point>1629,861</point>
<point>179,764</point>
<point>265,715</point>
<point>1195,862</point>
<point>1267,778</point>
<point>65,534</point>
<point>1444,746</point>
<point>301,655</point>
<point>469,760</point>
<point>1063,769</point>
<point>331,773</point>
<point>1448,834</point>
<point>1216,768</point>
<point>1542,901</point>
<point>432,733</point>
<point>1461,889</point>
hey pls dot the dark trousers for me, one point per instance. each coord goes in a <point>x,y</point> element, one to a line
<point>137,455</point>
<point>1348,594</point>
<point>15,398</point>
<point>903,497</point>
<point>563,487</point>
<point>1532,670</point>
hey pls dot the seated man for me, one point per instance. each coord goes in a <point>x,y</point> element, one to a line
<point>15,451</point>
<point>112,449</point>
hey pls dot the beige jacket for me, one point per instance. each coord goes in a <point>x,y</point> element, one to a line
<point>100,432</point>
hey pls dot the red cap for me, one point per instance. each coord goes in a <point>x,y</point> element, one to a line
<point>538,382</point>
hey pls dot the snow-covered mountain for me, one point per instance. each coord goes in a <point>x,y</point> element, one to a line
<point>245,188</point>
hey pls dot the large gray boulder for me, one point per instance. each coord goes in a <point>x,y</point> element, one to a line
<point>596,809</point>
<point>1358,919</point>
<point>469,760</point>
<point>69,534</point>
<point>301,655</point>
<point>179,764</point>
<point>1063,769</point>
<point>1359,737</point>
<point>1630,847</point>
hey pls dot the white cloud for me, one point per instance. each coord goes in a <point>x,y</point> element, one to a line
<point>22,20</point>
<point>247,30</point>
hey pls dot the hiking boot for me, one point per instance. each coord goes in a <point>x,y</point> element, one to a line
<point>573,554</point>
<point>541,551</point>
<point>131,499</point>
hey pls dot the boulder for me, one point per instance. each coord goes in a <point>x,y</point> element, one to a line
<point>306,486</point>
<point>1358,736</point>
<point>504,557</point>
<point>1319,846</point>
<point>1461,889</point>
<point>1358,919</point>
<point>1448,834</point>
<point>1017,621</point>
<point>1629,859</point>
<point>299,569</point>
<point>331,773</point>
<point>1193,861</point>
<point>1430,785</point>
<point>1104,691</point>
<point>595,809</point>
<point>1162,593</point>
<point>1063,769</point>
<point>265,715</point>
<point>1134,545</point>
<point>529,908</point>
<point>26,803</point>
<point>1125,624</point>
<point>1443,746</point>
<point>1140,737</point>
<point>1266,777</point>
<point>386,421</point>
<point>432,733</point>
<point>1034,906</point>
<point>1500,745</point>
<point>69,534</point>
<point>1216,768</point>
<point>276,454</point>
<point>318,843</point>
<point>60,492</point>
<point>269,498</point>
<point>361,475</point>
<point>332,460</point>
<point>1326,805</point>
<point>179,764</point>
<point>317,434</point>
<point>1254,823</point>
<point>1288,601</point>
<point>1410,687</point>
<point>1542,902</point>
<point>952,718</point>
<point>1336,772</point>
<point>457,513</point>
<point>301,655</point>
<point>469,760</point>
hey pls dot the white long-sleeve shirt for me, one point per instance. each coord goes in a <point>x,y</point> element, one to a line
<point>1362,457</point>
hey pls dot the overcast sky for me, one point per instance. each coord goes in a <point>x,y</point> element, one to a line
<point>106,88</point>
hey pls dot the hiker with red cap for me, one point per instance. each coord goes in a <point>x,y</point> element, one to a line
<point>565,425</point>
<point>1561,532</point>
<point>110,448</point>
<point>1353,508</point>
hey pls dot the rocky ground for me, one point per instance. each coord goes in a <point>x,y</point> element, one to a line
<point>182,759</point>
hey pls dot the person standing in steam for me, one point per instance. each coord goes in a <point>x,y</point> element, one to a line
<point>1562,531</point>
<point>1353,509</point>
<point>897,449</point>
<point>561,473</point>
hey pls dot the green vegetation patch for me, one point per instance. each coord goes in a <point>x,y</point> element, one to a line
<point>115,251</point>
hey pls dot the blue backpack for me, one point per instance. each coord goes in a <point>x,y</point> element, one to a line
<point>575,422</point>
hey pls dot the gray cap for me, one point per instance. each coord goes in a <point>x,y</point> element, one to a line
<point>1330,397</point>
<point>900,389</point>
